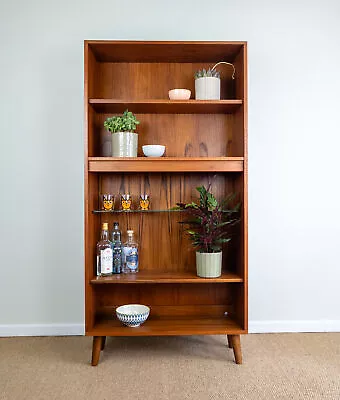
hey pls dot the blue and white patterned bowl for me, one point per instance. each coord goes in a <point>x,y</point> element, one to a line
<point>132,315</point>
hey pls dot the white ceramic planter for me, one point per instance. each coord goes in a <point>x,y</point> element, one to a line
<point>209,265</point>
<point>124,144</point>
<point>207,88</point>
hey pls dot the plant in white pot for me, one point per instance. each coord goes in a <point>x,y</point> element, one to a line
<point>208,83</point>
<point>124,139</point>
<point>208,228</point>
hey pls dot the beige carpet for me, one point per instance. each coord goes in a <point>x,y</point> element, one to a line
<point>276,366</point>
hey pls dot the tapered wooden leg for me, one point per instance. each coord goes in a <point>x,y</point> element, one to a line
<point>236,343</point>
<point>230,341</point>
<point>103,342</point>
<point>96,347</point>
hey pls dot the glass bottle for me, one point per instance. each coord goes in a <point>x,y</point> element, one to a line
<point>104,253</point>
<point>130,254</point>
<point>117,248</point>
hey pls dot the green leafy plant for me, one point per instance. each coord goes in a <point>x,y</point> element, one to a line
<point>202,73</point>
<point>209,223</point>
<point>122,123</point>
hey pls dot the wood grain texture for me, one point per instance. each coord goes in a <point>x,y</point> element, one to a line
<point>96,348</point>
<point>239,119</point>
<point>236,344</point>
<point>197,143</point>
<point>140,81</point>
<point>191,128</point>
<point>171,326</point>
<point>118,106</point>
<point>163,241</point>
<point>90,190</point>
<point>91,69</point>
<point>91,238</point>
<point>164,51</point>
<point>167,294</point>
<point>174,311</point>
<point>165,164</point>
<point>245,185</point>
<point>183,135</point>
<point>160,276</point>
<point>243,92</point>
<point>103,343</point>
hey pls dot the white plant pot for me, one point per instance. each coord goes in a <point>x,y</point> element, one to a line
<point>124,144</point>
<point>209,265</point>
<point>207,88</point>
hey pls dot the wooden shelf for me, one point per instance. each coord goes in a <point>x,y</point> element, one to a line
<point>159,277</point>
<point>167,326</point>
<point>145,211</point>
<point>135,211</point>
<point>165,164</point>
<point>166,106</point>
<point>164,51</point>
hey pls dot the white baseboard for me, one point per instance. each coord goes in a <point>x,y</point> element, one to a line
<point>41,330</point>
<point>254,327</point>
<point>294,326</point>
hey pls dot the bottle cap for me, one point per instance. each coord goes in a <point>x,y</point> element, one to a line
<point>129,232</point>
<point>105,226</point>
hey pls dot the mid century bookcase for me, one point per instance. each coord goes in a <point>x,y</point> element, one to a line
<point>206,142</point>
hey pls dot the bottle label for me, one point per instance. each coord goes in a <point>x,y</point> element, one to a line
<point>106,259</point>
<point>131,258</point>
<point>126,251</point>
<point>117,258</point>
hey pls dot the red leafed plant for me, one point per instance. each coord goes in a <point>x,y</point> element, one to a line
<point>209,222</point>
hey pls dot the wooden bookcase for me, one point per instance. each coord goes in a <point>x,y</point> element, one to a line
<point>206,141</point>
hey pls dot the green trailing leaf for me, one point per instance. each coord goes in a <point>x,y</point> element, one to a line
<point>194,205</point>
<point>211,201</point>
<point>224,240</point>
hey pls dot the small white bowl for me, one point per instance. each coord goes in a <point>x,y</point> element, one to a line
<point>153,150</point>
<point>132,315</point>
<point>179,94</point>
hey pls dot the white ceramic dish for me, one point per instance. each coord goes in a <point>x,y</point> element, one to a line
<point>179,94</point>
<point>153,150</point>
<point>133,315</point>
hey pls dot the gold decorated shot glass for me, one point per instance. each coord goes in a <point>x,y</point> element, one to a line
<point>108,201</point>
<point>126,202</point>
<point>144,202</point>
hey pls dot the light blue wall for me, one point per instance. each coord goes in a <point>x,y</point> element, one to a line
<point>294,85</point>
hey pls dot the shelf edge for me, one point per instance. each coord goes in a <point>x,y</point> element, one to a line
<point>144,164</point>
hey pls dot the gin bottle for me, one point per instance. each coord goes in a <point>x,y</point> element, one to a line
<point>104,253</point>
<point>130,254</point>
<point>117,249</point>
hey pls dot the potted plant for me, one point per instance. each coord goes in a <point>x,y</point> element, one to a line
<point>208,83</point>
<point>208,228</point>
<point>124,139</point>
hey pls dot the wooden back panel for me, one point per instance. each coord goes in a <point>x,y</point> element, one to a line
<point>184,135</point>
<point>165,294</point>
<point>164,51</point>
<point>164,244</point>
<point>137,81</point>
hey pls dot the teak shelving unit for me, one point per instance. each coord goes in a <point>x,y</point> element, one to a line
<point>206,141</point>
